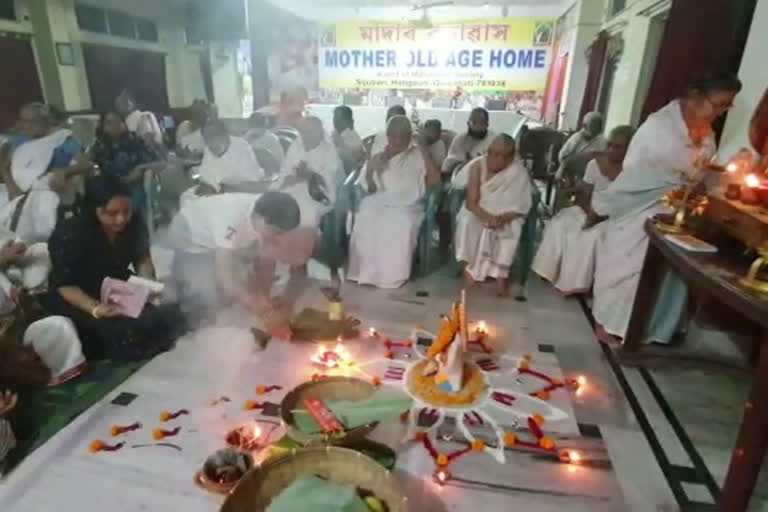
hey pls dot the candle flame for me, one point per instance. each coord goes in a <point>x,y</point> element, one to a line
<point>575,456</point>
<point>481,326</point>
<point>752,181</point>
<point>256,431</point>
<point>582,380</point>
<point>732,167</point>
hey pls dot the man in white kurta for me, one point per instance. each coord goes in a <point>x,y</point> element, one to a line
<point>228,165</point>
<point>588,139</point>
<point>662,156</point>
<point>387,224</point>
<point>566,256</point>
<point>489,225</point>
<point>265,144</point>
<point>468,146</point>
<point>312,172</point>
<point>347,141</point>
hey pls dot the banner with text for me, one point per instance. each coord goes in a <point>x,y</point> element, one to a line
<point>512,54</point>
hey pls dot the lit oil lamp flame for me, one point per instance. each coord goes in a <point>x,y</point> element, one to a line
<point>442,475</point>
<point>732,167</point>
<point>752,181</point>
<point>481,327</point>
<point>581,380</point>
<point>331,358</point>
<point>372,332</point>
<point>256,431</point>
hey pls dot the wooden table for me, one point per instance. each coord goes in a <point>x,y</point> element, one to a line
<point>715,276</point>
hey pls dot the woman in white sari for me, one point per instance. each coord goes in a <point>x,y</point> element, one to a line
<point>667,151</point>
<point>489,225</point>
<point>387,224</point>
<point>566,256</point>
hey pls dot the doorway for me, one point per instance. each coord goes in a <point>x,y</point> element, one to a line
<point>21,84</point>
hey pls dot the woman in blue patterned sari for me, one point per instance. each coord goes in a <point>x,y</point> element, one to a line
<point>124,154</point>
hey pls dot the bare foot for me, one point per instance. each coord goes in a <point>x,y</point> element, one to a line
<point>606,338</point>
<point>468,279</point>
<point>502,287</point>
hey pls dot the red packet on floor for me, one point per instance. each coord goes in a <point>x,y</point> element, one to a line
<point>323,416</point>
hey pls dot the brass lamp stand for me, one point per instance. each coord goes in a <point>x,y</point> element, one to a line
<point>752,280</point>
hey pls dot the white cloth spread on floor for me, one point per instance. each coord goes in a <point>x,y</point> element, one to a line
<point>489,252</point>
<point>323,160</point>
<point>29,166</point>
<point>387,224</point>
<point>660,158</point>
<point>566,256</point>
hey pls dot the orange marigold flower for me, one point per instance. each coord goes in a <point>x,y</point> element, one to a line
<point>546,443</point>
<point>509,438</point>
<point>478,445</point>
<point>96,446</point>
<point>442,460</point>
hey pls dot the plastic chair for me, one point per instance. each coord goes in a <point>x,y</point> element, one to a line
<point>426,261</point>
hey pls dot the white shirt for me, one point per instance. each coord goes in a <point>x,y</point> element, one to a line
<point>237,165</point>
<point>593,176</point>
<point>221,221</point>
<point>438,152</point>
<point>192,141</point>
<point>143,123</point>
<point>268,142</point>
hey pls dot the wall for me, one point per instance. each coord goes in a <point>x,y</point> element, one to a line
<point>587,17</point>
<point>641,28</point>
<point>54,21</point>
<point>754,75</point>
<point>320,11</point>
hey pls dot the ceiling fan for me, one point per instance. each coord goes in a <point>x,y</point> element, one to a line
<point>425,21</point>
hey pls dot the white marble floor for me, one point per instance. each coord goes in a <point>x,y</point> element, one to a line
<point>63,476</point>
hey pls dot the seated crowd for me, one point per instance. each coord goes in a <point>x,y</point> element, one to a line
<point>250,212</point>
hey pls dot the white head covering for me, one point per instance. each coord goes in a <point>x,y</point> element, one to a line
<point>56,342</point>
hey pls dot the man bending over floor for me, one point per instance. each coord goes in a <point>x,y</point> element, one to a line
<point>216,239</point>
<point>489,224</point>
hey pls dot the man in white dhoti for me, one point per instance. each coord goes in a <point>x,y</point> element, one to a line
<point>348,143</point>
<point>469,145</point>
<point>34,165</point>
<point>380,141</point>
<point>265,144</point>
<point>217,239</point>
<point>228,165</point>
<point>667,151</point>
<point>489,225</point>
<point>312,172</point>
<point>387,224</point>
<point>567,253</point>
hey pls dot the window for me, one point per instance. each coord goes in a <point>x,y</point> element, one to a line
<point>146,30</point>
<point>618,6</point>
<point>194,34</point>
<point>8,9</point>
<point>121,25</point>
<point>91,19</point>
<point>115,23</point>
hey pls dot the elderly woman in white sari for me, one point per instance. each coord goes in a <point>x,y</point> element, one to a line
<point>667,151</point>
<point>35,165</point>
<point>566,256</point>
<point>490,223</point>
<point>388,221</point>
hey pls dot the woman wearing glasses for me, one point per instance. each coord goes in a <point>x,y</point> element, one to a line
<point>666,152</point>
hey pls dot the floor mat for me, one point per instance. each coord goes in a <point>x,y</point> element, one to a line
<point>41,414</point>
